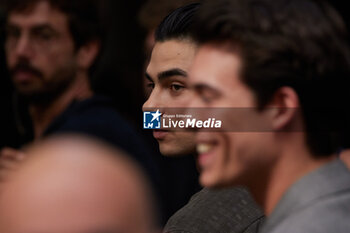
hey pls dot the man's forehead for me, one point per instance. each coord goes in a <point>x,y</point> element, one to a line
<point>171,54</point>
<point>175,46</point>
<point>42,12</point>
<point>214,63</point>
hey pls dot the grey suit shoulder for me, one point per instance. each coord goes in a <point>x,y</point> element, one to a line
<point>229,210</point>
<point>318,203</point>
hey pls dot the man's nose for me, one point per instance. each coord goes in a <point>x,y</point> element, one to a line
<point>194,106</point>
<point>194,100</point>
<point>153,102</point>
<point>23,47</point>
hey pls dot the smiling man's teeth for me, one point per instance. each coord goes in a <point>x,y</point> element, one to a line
<point>203,148</point>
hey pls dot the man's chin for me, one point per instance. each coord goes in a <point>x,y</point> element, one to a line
<point>170,153</point>
<point>35,97</point>
<point>212,181</point>
<point>174,150</point>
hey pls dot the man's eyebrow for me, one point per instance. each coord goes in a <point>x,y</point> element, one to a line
<point>43,27</point>
<point>171,72</point>
<point>200,87</point>
<point>39,27</point>
<point>148,77</point>
<point>10,26</point>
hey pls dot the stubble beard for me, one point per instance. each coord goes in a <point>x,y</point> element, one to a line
<point>51,87</point>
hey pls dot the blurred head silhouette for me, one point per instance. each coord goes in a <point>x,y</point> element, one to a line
<point>75,185</point>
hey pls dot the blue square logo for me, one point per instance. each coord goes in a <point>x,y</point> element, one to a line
<point>151,120</point>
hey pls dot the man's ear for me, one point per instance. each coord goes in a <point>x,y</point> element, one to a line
<point>87,54</point>
<point>285,109</point>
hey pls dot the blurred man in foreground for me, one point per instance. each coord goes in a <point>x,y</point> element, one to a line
<point>76,185</point>
<point>287,63</point>
<point>228,210</point>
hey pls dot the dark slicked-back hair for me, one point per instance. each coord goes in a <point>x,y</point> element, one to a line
<point>302,44</point>
<point>177,24</point>
<point>83,16</point>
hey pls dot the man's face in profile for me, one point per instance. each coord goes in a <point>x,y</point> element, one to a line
<point>39,50</point>
<point>168,84</point>
<point>226,157</point>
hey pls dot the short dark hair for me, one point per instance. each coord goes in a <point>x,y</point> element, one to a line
<point>154,11</point>
<point>83,16</point>
<point>177,24</point>
<point>302,44</point>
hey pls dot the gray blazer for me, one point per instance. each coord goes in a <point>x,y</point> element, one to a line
<point>317,203</point>
<point>230,210</point>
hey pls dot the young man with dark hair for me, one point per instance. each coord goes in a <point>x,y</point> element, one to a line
<point>227,210</point>
<point>50,48</point>
<point>287,62</point>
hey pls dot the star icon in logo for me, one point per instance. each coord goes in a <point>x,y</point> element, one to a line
<point>156,115</point>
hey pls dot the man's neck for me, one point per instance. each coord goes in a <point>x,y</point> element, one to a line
<point>42,115</point>
<point>295,161</point>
